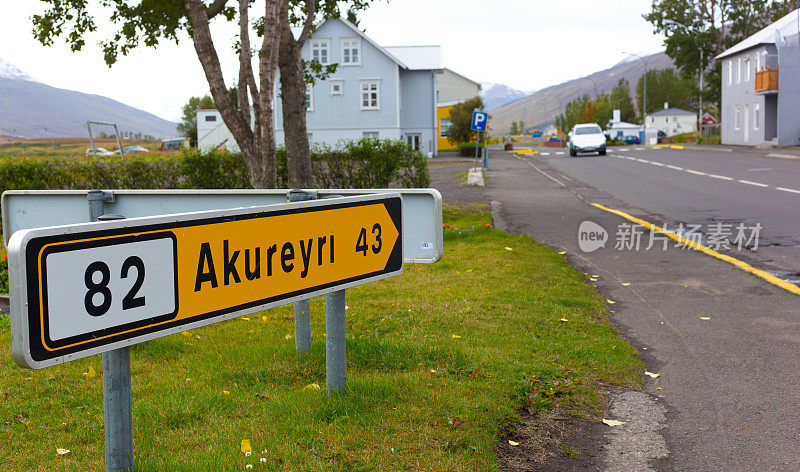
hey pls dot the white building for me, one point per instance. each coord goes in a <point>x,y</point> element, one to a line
<point>672,121</point>
<point>618,129</point>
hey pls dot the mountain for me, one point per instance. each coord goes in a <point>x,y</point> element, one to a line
<point>542,107</point>
<point>30,109</point>
<point>497,95</point>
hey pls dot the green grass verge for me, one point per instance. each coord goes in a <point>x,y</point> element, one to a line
<point>440,360</point>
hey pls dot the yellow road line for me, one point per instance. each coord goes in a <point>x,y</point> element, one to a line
<point>699,247</point>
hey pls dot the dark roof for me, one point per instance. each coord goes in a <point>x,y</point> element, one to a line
<point>672,111</point>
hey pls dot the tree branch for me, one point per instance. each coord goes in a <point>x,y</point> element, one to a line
<point>311,6</point>
<point>215,8</point>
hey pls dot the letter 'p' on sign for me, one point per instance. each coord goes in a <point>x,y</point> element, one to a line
<point>92,287</point>
<point>479,120</point>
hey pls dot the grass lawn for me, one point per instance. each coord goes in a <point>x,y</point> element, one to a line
<point>440,360</point>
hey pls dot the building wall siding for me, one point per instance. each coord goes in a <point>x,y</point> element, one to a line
<point>452,87</point>
<point>789,96</point>
<point>743,95</point>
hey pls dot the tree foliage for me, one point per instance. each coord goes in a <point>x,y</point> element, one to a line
<point>461,120</point>
<point>665,86</point>
<point>695,28</point>
<point>621,100</point>
<point>599,110</point>
<point>188,125</point>
<point>514,128</point>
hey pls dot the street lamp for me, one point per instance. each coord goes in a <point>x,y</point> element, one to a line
<point>644,96</point>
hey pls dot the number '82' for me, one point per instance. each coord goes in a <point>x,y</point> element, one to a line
<point>100,287</point>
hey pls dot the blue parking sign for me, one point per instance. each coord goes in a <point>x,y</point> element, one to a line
<point>479,120</point>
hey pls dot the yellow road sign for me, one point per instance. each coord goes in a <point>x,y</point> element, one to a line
<point>94,287</point>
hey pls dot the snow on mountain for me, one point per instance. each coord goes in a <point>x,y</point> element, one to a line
<point>10,71</point>
<point>497,95</point>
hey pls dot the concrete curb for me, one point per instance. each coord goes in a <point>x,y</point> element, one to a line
<point>5,307</point>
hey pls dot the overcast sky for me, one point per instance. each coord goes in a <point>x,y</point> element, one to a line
<point>527,44</point>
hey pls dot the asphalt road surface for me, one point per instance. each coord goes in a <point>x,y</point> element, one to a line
<point>725,343</point>
<point>698,187</point>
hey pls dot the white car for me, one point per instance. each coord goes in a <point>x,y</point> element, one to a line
<point>587,137</point>
<point>100,152</point>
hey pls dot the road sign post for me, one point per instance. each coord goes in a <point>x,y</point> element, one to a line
<point>335,342</point>
<point>302,308</point>
<point>479,120</point>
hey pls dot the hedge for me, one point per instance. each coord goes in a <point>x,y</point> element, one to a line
<point>368,163</point>
<point>467,149</point>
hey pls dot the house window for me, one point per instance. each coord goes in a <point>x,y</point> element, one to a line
<point>739,70</point>
<point>730,72</point>
<point>320,51</point>
<point>737,118</point>
<point>370,98</point>
<point>444,127</point>
<point>309,97</point>
<point>370,134</point>
<point>747,70</point>
<point>211,118</point>
<point>336,87</point>
<point>756,116</point>
<point>351,51</point>
<point>674,119</point>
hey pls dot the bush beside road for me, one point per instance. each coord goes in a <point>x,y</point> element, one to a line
<point>441,360</point>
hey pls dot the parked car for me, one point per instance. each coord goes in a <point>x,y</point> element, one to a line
<point>587,137</point>
<point>629,139</point>
<point>133,150</point>
<point>99,152</point>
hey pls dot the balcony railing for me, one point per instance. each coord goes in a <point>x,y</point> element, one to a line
<point>767,80</point>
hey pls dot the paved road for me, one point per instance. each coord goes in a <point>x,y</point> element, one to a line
<point>728,395</point>
<point>702,187</point>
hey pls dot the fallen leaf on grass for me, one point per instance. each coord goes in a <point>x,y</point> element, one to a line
<point>263,318</point>
<point>244,318</point>
<point>89,374</point>
<point>226,392</point>
<point>508,249</point>
<point>187,334</point>
<point>652,375</point>
<point>610,302</point>
<point>62,451</point>
<point>625,284</point>
<point>455,336</point>
<point>613,422</point>
<point>513,443</point>
<point>705,318</point>
<point>314,386</point>
<point>287,337</point>
<point>592,279</point>
<point>245,446</point>
<point>563,252</point>
<point>563,320</point>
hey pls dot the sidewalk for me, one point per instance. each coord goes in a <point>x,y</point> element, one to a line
<point>729,381</point>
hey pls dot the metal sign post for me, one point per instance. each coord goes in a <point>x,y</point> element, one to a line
<point>302,308</point>
<point>117,400</point>
<point>479,120</point>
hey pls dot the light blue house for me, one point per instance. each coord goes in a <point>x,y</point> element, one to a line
<point>383,92</point>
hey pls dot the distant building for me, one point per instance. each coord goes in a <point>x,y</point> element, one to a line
<point>760,88</point>
<point>672,121</point>
<point>618,129</point>
<point>451,89</point>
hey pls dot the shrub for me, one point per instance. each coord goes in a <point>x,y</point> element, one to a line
<point>3,276</point>
<point>467,149</point>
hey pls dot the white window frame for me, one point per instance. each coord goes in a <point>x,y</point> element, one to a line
<point>442,130</point>
<point>346,58</point>
<point>370,134</point>
<point>747,69</point>
<point>739,70</point>
<point>340,83</point>
<point>319,45</point>
<point>737,117</point>
<point>309,97</point>
<point>730,72</point>
<point>369,82</point>
<point>758,61</point>
<point>756,116</point>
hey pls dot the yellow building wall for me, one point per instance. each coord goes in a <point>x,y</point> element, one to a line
<point>442,143</point>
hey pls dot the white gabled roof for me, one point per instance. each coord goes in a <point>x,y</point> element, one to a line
<point>787,26</point>
<point>367,39</point>
<point>418,57</point>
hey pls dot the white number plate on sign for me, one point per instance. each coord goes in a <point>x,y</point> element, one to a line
<point>100,287</point>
